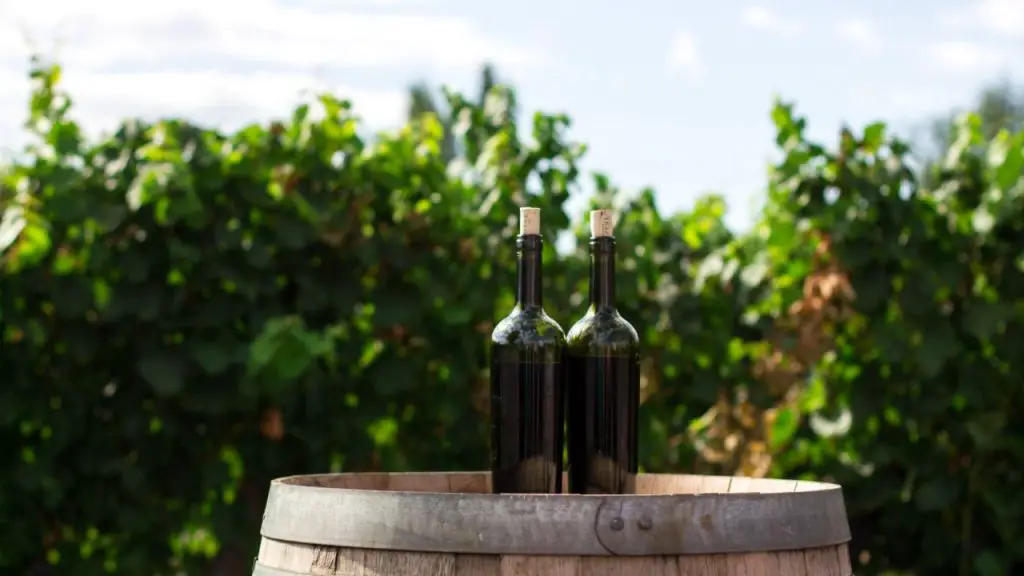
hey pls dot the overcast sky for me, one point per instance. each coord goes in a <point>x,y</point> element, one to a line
<point>667,93</point>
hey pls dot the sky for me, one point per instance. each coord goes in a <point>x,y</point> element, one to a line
<point>672,95</point>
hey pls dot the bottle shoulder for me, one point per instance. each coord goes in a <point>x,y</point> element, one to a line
<point>526,326</point>
<point>603,330</point>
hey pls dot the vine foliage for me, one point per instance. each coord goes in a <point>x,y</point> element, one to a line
<point>187,314</point>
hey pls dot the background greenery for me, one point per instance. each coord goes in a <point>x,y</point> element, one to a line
<point>187,314</point>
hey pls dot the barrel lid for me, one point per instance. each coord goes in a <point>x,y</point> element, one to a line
<point>711,515</point>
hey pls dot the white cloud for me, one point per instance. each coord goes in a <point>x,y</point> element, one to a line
<point>952,19</point>
<point>684,55</point>
<point>922,101</point>
<point>966,57</point>
<point>268,32</point>
<point>213,97</point>
<point>760,18</point>
<point>1003,17</point>
<point>861,33</point>
<point>229,62</point>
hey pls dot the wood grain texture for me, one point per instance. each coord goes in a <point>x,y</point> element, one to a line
<point>640,517</point>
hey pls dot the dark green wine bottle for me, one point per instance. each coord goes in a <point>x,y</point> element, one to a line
<point>527,381</point>
<point>603,385</point>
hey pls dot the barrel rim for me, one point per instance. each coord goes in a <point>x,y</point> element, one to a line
<point>290,480</point>
<point>299,509</point>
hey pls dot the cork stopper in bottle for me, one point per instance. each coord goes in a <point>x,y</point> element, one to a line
<point>529,221</point>
<point>601,224</point>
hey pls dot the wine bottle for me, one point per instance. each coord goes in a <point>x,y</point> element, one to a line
<point>603,385</point>
<point>527,381</point>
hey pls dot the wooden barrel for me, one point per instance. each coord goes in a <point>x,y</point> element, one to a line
<point>448,524</point>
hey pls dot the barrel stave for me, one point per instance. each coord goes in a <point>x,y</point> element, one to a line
<point>288,559</point>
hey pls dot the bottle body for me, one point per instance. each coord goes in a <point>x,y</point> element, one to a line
<point>527,407</point>
<point>603,401</point>
<point>603,389</point>
<point>527,379</point>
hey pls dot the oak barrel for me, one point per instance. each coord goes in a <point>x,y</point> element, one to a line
<point>448,524</point>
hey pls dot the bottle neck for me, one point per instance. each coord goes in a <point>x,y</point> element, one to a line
<point>529,293</point>
<point>602,273</point>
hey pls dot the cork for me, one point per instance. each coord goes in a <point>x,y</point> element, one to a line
<point>601,224</point>
<point>529,221</point>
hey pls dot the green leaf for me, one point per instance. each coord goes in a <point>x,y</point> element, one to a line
<point>164,371</point>
<point>936,493</point>
<point>11,224</point>
<point>874,136</point>
<point>292,233</point>
<point>966,132</point>
<point>988,563</point>
<point>815,396</point>
<point>110,216</point>
<point>872,291</point>
<point>713,265</point>
<point>214,358</point>
<point>1006,155</point>
<point>890,339</point>
<point>457,315</point>
<point>938,345</point>
<point>393,377</point>
<point>987,427</point>
<point>982,318</point>
<point>784,427</point>
<point>285,350</point>
<point>982,220</point>
<point>148,184</point>
<point>396,307</point>
<point>826,427</point>
<point>383,431</point>
<point>754,273</point>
